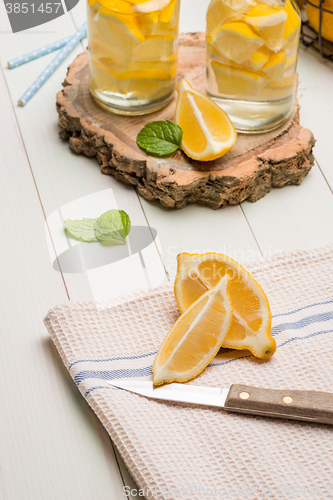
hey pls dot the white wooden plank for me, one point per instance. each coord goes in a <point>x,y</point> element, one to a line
<point>52,445</point>
<point>316,100</point>
<point>293,217</point>
<point>197,229</point>
<point>63,177</point>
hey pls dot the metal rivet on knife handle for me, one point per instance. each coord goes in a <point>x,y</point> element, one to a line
<point>312,406</point>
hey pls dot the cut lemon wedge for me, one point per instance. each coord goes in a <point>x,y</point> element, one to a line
<point>251,321</point>
<point>119,30</point>
<point>155,48</point>
<point>208,132</point>
<point>239,6</point>
<point>293,23</point>
<point>259,58</point>
<point>275,66</point>
<point>195,338</point>
<point>219,13</point>
<point>236,41</point>
<point>238,82</point>
<point>269,22</point>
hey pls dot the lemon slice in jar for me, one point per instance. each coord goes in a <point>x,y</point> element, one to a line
<point>236,41</point>
<point>275,66</point>
<point>269,22</point>
<point>238,82</point>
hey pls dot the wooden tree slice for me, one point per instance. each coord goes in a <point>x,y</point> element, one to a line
<point>247,172</point>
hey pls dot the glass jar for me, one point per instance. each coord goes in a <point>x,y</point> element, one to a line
<point>133,49</point>
<point>252,49</point>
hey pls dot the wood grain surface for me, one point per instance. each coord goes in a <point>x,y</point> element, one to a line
<point>248,172</point>
<point>293,404</point>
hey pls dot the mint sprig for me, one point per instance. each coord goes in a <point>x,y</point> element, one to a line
<point>112,226</point>
<point>160,138</point>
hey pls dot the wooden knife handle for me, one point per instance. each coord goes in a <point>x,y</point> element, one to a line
<point>311,406</point>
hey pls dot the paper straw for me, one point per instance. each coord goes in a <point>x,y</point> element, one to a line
<point>81,33</point>
<point>47,49</point>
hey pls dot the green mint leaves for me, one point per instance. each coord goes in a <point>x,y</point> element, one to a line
<point>160,138</point>
<point>112,226</point>
<point>82,230</point>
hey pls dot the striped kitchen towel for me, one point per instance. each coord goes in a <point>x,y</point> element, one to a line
<point>182,451</point>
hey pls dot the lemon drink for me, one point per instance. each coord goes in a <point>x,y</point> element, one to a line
<point>133,53</point>
<point>252,49</point>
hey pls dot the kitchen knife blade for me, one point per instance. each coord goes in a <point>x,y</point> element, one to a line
<point>310,406</point>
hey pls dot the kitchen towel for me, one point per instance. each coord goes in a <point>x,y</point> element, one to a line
<point>183,451</point>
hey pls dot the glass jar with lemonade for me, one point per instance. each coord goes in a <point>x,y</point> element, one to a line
<point>133,48</point>
<point>252,48</point>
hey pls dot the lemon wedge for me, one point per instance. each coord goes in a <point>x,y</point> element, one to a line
<point>155,48</point>
<point>251,323</point>
<point>275,66</point>
<point>144,7</point>
<point>119,30</point>
<point>195,338</point>
<point>259,58</point>
<point>238,82</point>
<point>219,13</point>
<point>293,23</point>
<point>236,41</point>
<point>270,23</point>
<point>208,132</point>
<point>239,6</point>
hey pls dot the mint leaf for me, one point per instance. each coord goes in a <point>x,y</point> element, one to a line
<point>113,225</point>
<point>82,230</point>
<point>160,138</point>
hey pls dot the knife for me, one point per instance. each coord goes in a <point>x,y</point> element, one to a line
<point>310,406</point>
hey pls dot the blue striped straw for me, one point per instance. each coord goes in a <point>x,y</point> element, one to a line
<point>47,49</point>
<point>81,33</point>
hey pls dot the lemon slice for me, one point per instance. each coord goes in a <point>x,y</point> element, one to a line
<point>149,6</point>
<point>236,41</point>
<point>155,48</point>
<point>239,6</point>
<point>269,22</point>
<point>120,6</point>
<point>275,66</point>
<point>219,13</point>
<point>293,23</point>
<point>102,78</point>
<point>259,58</point>
<point>107,55</point>
<point>208,132</point>
<point>238,82</point>
<point>251,323</point>
<point>167,13</point>
<point>144,84</point>
<point>195,338</point>
<point>118,30</point>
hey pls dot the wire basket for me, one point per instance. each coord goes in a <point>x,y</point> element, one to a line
<point>310,38</point>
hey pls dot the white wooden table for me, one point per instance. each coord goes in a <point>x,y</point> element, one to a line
<point>52,445</point>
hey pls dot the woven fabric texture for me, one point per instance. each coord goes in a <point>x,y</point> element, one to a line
<point>190,452</point>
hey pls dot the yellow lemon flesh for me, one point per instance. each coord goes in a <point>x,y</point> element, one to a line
<point>251,323</point>
<point>208,132</point>
<point>327,18</point>
<point>195,338</point>
<point>219,13</point>
<point>238,82</point>
<point>236,41</point>
<point>275,66</point>
<point>269,23</point>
